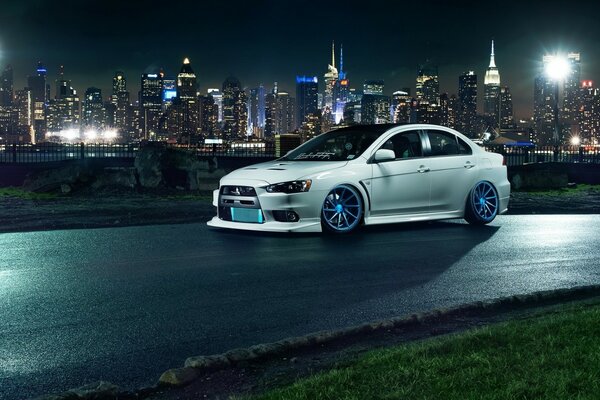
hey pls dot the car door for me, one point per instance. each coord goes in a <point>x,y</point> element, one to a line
<point>401,186</point>
<point>454,170</point>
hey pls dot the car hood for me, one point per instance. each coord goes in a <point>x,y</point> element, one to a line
<point>283,171</point>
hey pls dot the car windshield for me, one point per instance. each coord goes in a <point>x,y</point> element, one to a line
<point>340,145</point>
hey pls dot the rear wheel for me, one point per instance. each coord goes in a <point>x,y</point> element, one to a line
<point>342,210</point>
<point>482,204</point>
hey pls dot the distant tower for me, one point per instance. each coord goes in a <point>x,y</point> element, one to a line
<point>6,87</point>
<point>467,103</point>
<point>307,103</point>
<point>330,79</point>
<point>235,108</point>
<point>491,87</point>
<point>428,84</point>
<point>186,81</point>
<point>93,109</point>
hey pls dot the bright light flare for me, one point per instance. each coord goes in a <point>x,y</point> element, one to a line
<point>90,134</point>
<point>558,68</point>
<point>110,134</point>
<point>575,140</point>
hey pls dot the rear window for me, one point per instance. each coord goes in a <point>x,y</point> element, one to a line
<point>447,144</point>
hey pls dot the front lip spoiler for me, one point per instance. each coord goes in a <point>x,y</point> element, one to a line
<point>272,226</point>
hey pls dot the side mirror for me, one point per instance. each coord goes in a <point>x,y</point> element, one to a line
<point>384,155</point>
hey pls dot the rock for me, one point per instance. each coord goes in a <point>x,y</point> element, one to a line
<point>516,182</point>
<point>64,188</point>
<point>53,179</point>
<point>148,164</point>
<point>94,391</point>
<point>120,176</point>
<point>207,362</point>
<point>179,376</point>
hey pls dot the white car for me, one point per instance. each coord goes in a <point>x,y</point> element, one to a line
<point>375,174</point>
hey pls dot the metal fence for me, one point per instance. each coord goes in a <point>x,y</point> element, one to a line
<point>48,152</point>
<point>568,154</point>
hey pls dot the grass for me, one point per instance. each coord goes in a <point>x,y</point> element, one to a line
<point>580,189</point>
<point>556,356</point>
<point>22,194</point>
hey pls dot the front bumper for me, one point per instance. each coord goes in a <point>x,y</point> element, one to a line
<point>306,205</point>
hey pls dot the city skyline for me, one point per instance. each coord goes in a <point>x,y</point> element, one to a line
<point>454,37</point>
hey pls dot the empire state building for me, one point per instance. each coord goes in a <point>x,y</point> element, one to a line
<point>491,84</point>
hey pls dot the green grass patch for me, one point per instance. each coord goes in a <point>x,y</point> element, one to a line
<point>580,189</point>
<point>22,194</point>
<point>555,356</point>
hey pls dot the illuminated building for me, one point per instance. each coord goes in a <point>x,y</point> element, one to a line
<point>375,109</point>
<point>187,86</point>
<point>428,84</point>
<point>39,96</point>
<point>589,113</point>
<point>150,104</point>
<point>120,100</point>
<point>373,87</point>
<point>93,115</point>
<point>491,96</point>
<point>6,87</point>
<point>182,118</point>
<point>341,91</point>
<point>256,110</point>
<point>400,110</point>
<point>571,93</point>
<point>218,96</point>
<point>506,109</point>
<point>279,113</point>
<point>63,110</point>
<point>448,110</point>
<point>467,104</point>
<point>23,103</point>
<point>209,115</point>
<point>235,109</point>
<point>307,103</point>
<point>330,77</point>
<point>169,93</point>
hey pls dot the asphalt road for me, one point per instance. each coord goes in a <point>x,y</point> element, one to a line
<point>125,304</point>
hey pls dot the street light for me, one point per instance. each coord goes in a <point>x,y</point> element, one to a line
<point>557,69</point>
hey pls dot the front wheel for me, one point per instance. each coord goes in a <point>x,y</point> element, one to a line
<point>482,204</point>
<point>342,210</point>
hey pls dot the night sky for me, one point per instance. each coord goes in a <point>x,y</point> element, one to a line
<point>266,41</point>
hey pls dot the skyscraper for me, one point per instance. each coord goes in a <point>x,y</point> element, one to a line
<point>6,87</point>
<point>491,96</point>
<point>400,111</point>
<point>341,91</point>
<point>150,104</point>
<point>235,109</point>
<point>506,108</point>
<point>187,85</point>
<point>375,109</point>
<point>93,116</point>
<point>545,100</point>
<point>307,89</point>
<point>428,84</point>
<point>218,97</point>
<point>330,78</point>
<point>120,101</point>
<point>63,110</point>
<point>467,103</point>
<point>373,87</point>
<point>37,85</point>
<point>256,110</point>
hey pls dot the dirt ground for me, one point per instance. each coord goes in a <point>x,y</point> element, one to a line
<point>127,208</point>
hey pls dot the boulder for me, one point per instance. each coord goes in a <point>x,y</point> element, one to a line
<point>148,165</point>
<point>116,176</point>
<point>53,179</point>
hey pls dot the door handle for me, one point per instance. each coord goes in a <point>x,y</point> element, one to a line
<point>469,165</point>
<point>423,168</point>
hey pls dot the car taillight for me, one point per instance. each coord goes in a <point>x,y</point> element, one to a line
<point>503,160</point>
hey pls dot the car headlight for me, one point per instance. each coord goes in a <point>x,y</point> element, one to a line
<point>290,187</point>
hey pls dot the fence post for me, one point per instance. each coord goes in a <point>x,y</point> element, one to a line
<point>14,152</point>
<point>82,150</point>
<point>580,154</point>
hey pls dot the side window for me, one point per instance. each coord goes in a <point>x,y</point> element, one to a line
<point>405,145</point>
<point>447,144</point>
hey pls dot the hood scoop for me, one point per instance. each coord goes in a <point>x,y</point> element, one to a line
<point>276,169</point>
<point>250,168</point>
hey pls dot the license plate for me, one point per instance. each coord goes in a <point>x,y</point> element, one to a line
<point>252,215</point>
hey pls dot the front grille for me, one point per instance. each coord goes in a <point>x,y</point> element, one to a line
<point>240,204</point>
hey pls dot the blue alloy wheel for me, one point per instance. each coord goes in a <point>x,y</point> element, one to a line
<point>482,205</point>
<point>342,209</point>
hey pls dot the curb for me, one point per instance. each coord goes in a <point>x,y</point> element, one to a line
<point>194,367</point>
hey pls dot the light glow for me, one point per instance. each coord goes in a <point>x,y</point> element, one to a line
<point>558,68</point>
<point>575,140</point>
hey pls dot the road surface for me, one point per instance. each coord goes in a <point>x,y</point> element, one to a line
<point>125,304</point>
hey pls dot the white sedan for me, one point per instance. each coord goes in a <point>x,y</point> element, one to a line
<point>375,174</point>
